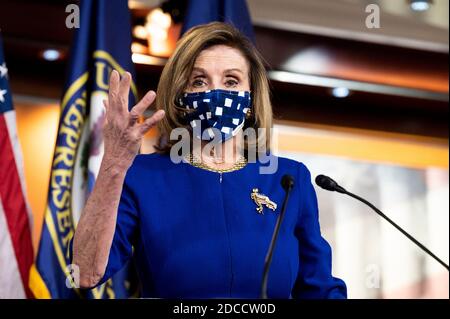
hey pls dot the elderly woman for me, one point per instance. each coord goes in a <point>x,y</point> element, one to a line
<point>199,222</point>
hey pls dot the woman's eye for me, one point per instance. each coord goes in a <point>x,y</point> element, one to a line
<point>232,83</point>
<point>198,83</point>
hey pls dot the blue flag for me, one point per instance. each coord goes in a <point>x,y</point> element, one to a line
<point>234,12</point>
<point>101,44</point>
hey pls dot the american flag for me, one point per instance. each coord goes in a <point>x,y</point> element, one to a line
<point>16,251</point>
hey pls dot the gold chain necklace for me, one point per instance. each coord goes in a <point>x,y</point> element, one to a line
<point>198,163</point>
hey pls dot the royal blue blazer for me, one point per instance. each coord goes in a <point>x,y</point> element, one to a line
<point>198,235</point>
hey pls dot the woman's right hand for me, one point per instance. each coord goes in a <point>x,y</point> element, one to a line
<point>121,131</point>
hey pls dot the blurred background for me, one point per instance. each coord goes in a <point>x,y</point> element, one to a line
<point>367,106</point>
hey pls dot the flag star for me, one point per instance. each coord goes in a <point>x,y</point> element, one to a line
<point>3,70</point>
<point>2,95</point>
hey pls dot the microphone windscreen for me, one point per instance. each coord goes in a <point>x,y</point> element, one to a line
<point>325,182</point>
<point>287,182</point>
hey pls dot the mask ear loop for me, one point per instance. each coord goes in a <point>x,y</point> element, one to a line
<point>250,121</point>
<point>250,113</point>
<point>250,118</point>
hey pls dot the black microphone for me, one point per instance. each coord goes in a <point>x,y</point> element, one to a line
<point>329,184</point>
<point>287,182</point>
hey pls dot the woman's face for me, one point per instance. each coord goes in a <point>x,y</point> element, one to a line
<point>219,67</point>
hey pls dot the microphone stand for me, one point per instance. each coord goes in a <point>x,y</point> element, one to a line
<point>415,241</point>
<point>329,184</point>
<point>287,183</point>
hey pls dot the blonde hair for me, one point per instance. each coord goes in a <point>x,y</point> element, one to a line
<point>175,76</point>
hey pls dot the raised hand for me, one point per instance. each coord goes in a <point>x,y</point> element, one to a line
<point>122,132</point>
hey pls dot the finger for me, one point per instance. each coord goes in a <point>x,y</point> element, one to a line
<point>109,113</point>
<point>152,121</point>
<point>106,109</point>
<point>105,104</point>
<point>144,103</point>
<point>114,81</point>
<point>113,92</point>
<point>124,86</point>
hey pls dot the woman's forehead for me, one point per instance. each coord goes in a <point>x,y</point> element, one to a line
<point>220,57</point>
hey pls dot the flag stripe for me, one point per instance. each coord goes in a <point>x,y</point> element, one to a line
<point>10,118</point>
<point>38,285</point>
<point>14,206</point>
<point>11,285</point>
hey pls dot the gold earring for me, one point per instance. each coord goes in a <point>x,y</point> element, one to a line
<point>248,114</point>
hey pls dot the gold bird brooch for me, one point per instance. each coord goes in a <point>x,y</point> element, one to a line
<point>260,200</point>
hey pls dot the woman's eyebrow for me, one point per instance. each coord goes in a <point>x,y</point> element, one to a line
<point>234,69</point>
<point>200,70</point>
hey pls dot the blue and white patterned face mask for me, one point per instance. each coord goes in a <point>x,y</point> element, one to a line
<point>219,109</point>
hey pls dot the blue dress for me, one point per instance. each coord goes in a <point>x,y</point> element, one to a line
<point>197,234</point>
